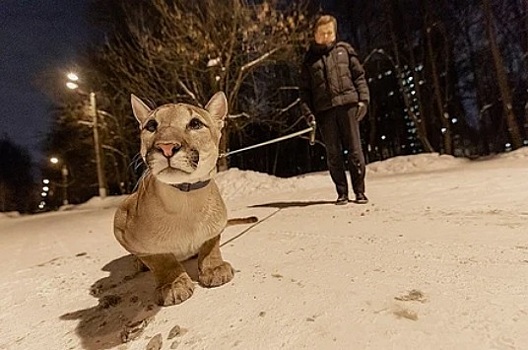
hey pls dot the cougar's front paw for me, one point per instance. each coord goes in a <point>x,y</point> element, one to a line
<point>176,292</point>
<point>216,276</point>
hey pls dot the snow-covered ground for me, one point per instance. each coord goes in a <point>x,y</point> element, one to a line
<point>437,260</point>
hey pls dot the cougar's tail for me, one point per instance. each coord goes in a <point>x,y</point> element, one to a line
<point>240,221</point>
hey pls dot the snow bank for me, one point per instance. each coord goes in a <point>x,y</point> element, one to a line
<point>236,183</point>
<point>415,163</point>
<point>9,214</point>
<point>521,153</point>
<point>98,203</point>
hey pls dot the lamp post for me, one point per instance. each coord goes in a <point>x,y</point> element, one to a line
<point>64,173</point>
<point>99,160</point>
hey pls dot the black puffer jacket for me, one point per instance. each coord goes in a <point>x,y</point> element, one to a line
<point>332,76</point>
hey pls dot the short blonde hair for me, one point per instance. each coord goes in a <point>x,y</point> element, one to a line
<point>325,19</point>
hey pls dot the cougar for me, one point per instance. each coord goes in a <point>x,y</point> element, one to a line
<point>178,212</point>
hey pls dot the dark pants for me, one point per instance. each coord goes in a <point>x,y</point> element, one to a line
<point>340,131</point>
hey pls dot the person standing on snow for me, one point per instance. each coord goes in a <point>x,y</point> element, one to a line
<point>334,88</point>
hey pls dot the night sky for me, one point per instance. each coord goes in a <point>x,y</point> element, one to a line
<point>36,36</point>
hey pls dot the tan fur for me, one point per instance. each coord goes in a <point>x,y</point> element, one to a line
<point>163,225</point>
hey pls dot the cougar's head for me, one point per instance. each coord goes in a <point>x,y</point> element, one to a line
<point>179,142</point>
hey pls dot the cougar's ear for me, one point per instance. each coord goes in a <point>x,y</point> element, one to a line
<point>217,107</point>
<point>141,110</point>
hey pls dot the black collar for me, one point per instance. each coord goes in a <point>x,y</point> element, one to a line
<point>187,187</point>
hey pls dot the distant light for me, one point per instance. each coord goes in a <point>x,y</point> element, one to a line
<point>508,146</point>
<point>383,137</point>
<point>44,194</point>
<point>45,181</point>
<point>41,206</point>
<point>413,92</point>
<point>444,130</point>
<point>72,76</point>
<point>45,188</point>
<point>217,78</point>
<point>71,85</point>
<point>454,120</point>
<point>389,72</point>
<point>380,76</point>
<point>54,160</point>
<point>391,93</point>
<point>525,142</point>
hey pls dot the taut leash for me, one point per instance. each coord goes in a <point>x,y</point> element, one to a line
<point>311,130</point>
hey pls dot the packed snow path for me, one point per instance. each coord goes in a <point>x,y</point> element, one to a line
<point>437,260</point>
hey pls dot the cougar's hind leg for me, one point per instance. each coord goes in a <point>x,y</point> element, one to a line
<point>174,284</point>
<point>213,271</point>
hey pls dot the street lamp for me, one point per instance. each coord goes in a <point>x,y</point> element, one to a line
<point>64,173</point>
<point>101,178</point>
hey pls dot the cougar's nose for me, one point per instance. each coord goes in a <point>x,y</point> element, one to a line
<point>168,149</point>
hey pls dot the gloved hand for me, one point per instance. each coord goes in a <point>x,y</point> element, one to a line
<point>361,110</point>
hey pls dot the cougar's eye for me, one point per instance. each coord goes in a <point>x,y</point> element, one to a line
<point>152,125</point>
<point>195,124</point>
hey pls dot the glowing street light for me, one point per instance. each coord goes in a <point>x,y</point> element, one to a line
<point>64,173</point>
<point>72,76</point>
<point>71,85</point>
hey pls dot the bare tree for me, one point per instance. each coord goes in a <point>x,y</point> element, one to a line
<point>430,24</point>
<point>502,77</point>
<point>187,50</point>
<point>418,120</point>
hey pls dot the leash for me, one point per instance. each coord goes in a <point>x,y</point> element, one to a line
<point>311,130</point>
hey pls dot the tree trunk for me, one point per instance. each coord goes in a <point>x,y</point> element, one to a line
<point>444,119</point>
<point>502,78</point>
<point>420,125</point>
<point>478,85</point>
<point>373,140</point>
